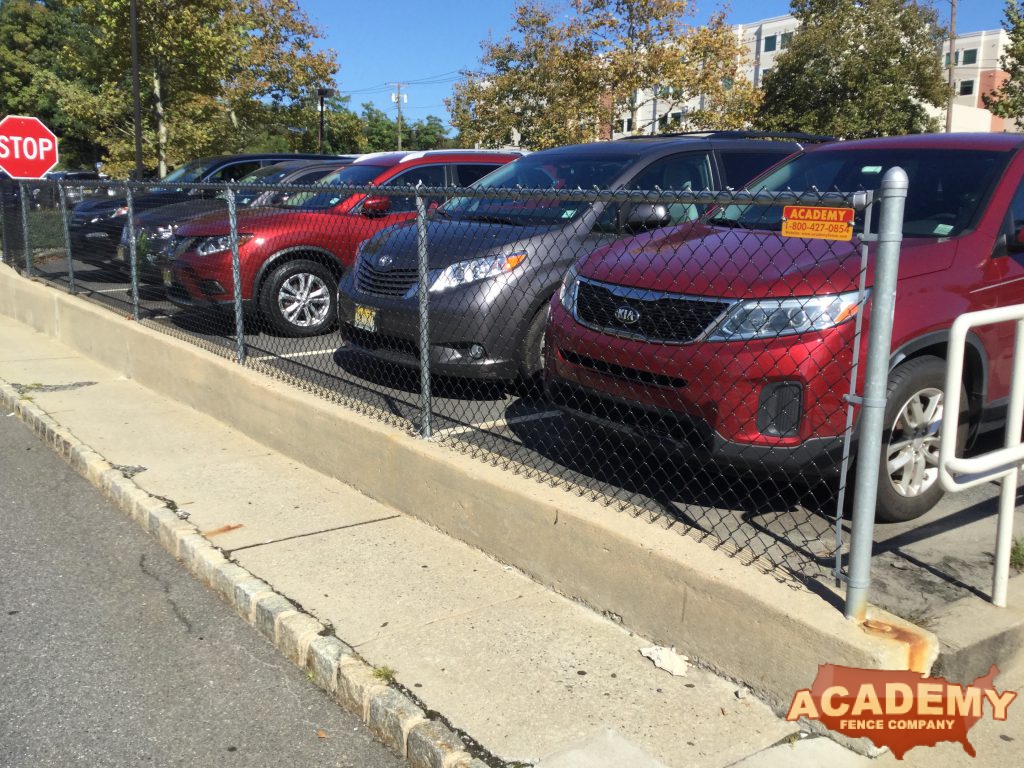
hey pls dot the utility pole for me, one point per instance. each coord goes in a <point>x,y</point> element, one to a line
<point>397,99</point>
<point>952,65</point>
<point>322,93</point>
<point>136,101</point>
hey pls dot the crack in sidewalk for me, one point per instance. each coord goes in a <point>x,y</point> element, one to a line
<point>230,552</point>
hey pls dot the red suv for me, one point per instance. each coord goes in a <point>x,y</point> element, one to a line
<point>728,337</point>
<point>292,256</point>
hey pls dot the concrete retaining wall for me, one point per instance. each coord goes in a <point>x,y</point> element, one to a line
<point>678,592</point>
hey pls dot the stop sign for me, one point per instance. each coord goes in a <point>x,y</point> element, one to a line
<point>28,149</point>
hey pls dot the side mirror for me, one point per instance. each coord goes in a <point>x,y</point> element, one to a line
<point>278,198</point>
<point>1016,242</point>
<point>376,205</point>
<point>644,216</point>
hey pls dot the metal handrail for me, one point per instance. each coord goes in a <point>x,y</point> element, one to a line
<point>959,473</point>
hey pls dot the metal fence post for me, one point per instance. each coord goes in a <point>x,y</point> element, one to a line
<point>132,252</point>
<point>5,238</point>
<point>236,276</point>
<point>62,193</point>
<point>423,295</point>
<point>893,194</point>
<point>26,244</point>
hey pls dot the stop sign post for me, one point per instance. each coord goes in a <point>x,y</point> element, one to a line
<point>28,149</point>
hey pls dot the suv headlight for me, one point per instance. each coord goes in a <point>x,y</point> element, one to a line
<point>767,318</point>
<point>567,291</point>
<point>211,245</point>
<point>466,272</point>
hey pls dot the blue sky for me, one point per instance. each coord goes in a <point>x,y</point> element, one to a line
<point>425,44</point>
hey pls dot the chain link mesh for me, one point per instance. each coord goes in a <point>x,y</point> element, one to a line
<point>612,343</point>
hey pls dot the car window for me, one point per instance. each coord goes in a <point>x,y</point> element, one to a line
<point>1017,208</point>
<point>353,175</point>
<point>686,172</point>
<point>740,167</point>
<point>946,188</point>
<point>311,177</point>
<point>466,174</point>
<point>428,175</point>
<point>543,170</point>
<point>234,171</point>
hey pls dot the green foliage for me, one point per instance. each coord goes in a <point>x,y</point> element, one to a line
<point>1008,100</point>
<point>539,85</point>
<point>560,82</point>
<point>857,68</point>
<point>217,76</point>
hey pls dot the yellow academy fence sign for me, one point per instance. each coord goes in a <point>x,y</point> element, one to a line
<point>810,221</point>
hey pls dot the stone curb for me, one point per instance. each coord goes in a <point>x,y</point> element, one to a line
<point>394,718</point>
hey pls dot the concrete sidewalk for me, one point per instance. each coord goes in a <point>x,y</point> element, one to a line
<point>527,674</point>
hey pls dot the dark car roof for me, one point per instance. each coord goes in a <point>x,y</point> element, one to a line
<point>387,159</point>
<point>1004,142</point>
<point>280,156</point>
<point>639,146</point>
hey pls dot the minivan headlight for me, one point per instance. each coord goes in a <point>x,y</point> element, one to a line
<point>466,272</point>
<point>767,318</point>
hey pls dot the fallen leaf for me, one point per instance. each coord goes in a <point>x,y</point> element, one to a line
<point>321,734</point>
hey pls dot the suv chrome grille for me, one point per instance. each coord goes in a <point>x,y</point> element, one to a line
<point>385,282</point>
<point>670,318</point>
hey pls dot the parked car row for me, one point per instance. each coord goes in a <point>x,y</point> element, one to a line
<point>706,328</point>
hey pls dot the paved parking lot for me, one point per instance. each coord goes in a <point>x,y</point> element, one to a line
<point>785,530</point>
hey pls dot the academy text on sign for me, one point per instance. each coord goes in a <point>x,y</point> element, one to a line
<point>817,223</point>
<point>898,709</point>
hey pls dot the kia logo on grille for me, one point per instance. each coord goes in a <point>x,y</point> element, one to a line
<point>627,315</point>
<point>384,261</point>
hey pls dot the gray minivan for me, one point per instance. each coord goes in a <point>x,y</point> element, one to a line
<point>496,262</point>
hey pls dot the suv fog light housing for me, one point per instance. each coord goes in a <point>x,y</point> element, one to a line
<point>780,409</point>
<point>477,352</point>
<point>211,287</point>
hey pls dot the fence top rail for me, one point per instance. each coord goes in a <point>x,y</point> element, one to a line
<point>858,200</point>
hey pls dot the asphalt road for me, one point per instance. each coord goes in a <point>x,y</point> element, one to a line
<point>785,527</point>
<point>112,655</point>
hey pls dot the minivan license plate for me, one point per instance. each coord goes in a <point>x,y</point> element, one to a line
<point>365,319</point>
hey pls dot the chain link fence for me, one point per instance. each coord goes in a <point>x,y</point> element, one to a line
<point>668,353</point>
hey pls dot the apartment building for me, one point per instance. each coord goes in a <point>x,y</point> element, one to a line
<point>976,71</point>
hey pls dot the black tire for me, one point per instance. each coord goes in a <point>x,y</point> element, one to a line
<point>531,356</point>
<point>908,482</point>
<point>299,298</point>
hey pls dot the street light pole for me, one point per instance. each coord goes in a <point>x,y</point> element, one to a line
<point>952,65</point>
<point>322,93</point>
<point>136,101</point>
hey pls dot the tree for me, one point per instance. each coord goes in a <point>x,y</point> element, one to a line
<point>209,68</point>
<point>539,87</point>
<point>857,68</point>
<point>712,59</point>
<point>637,45</point>
<point>1008,99</point>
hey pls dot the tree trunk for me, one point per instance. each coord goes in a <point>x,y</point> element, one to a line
<point>161,125</point>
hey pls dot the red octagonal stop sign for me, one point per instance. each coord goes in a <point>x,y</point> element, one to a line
<point>28,149</point>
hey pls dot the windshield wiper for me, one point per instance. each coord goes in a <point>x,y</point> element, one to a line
<point>488,219</point>
<point>730,223</point>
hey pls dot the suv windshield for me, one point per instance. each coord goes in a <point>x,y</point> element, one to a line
<point>350,175</point>
<point>186,174</point>
<point>539,172</point>
<point>947,186</point>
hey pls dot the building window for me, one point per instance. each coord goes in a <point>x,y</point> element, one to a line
<point>785,39</point>
<point>970,56</point>
<point>765,73</point>
<point>727,83</point>
<point>966,87</point>
<point>956,58</point>
<point>769,44</point>
<point>627,125</point>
